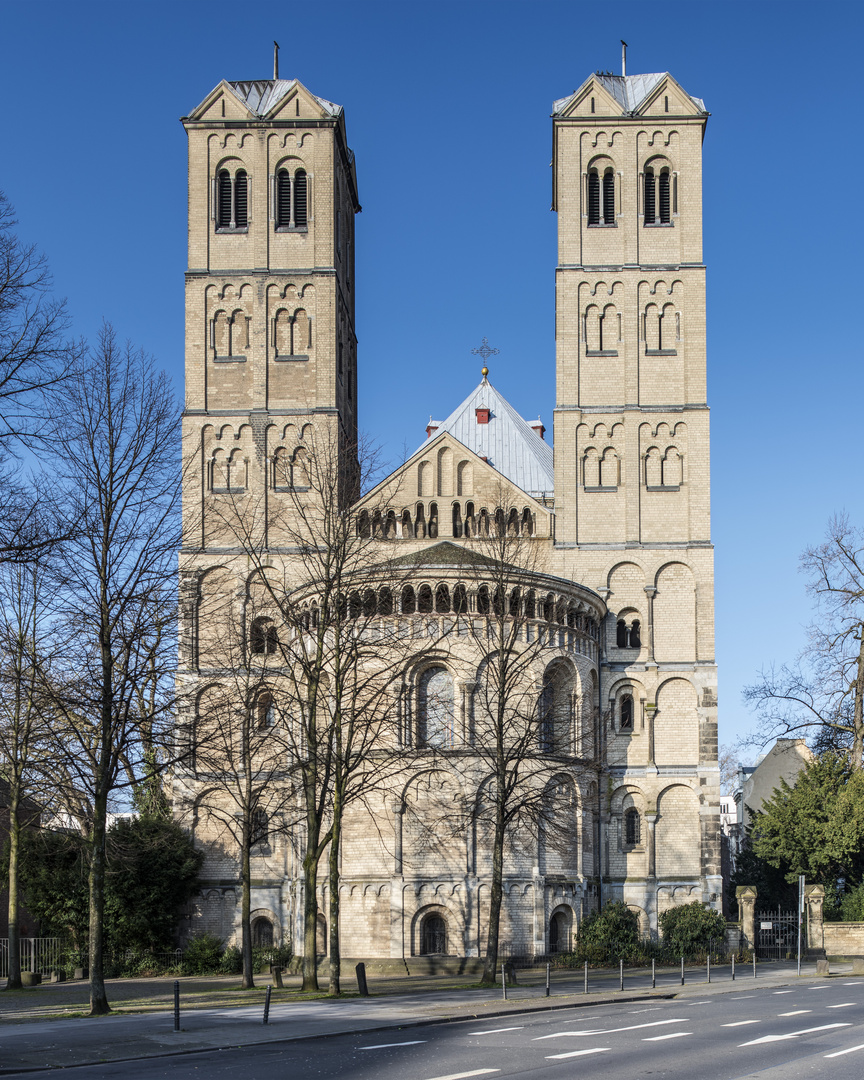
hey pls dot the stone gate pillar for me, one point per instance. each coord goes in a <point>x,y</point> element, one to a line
<point>814,897</point>
<point>746,896</point>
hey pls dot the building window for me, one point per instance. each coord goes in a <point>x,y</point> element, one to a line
<point>260,833</point>
<point>433,936</point>
<point>262,934</point>
<point>435,708</point>
<point>593,197</point>
<point>601,197</point>
<point>650,196</point>
<point>291,200</point>
<point>627,713</point>
<point>609,197</point>
<point>658,201</point>
<point>556,709</point>
<point>263,637</point>
<point>232,201</point>
<point>632,828</point>
<point>266,710</point>
<point>621,634</point>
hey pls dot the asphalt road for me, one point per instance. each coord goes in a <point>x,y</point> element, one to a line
<point>805,1030</point>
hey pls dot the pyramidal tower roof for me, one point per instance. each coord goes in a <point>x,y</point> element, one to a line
<point>630,91</point>
<point>260,95</point>
<point>507,442</point>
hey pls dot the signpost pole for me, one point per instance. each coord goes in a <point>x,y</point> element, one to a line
<point>800,916</point>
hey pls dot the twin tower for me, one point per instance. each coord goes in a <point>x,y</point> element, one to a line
<point>271,347</point>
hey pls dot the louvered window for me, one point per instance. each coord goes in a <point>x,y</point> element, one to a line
<point>300,199</point>
<point>283,199</point>
<point>609,197</point>
<point>223,206</point>
<point>593,198</point>
<point>650,211</point>
<point>240,201</point>
<point>665,216</point>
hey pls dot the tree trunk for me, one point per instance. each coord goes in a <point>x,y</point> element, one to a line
<point>490,966</point>
<point>334,990</point>
<point>310,920</point>
<point>98,998</point>
<point>13,982</point>
<point>858,706</point>
<point>248,981</point>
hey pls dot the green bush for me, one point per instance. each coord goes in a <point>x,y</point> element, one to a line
<point>231,962</point>
<point>852,905</point>
<point>203,955</point>
<point>692,928</point>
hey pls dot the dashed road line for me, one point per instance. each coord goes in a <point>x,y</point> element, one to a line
<point>609,1031</point>
<point>792,991</point>
<point>842,1005</point>
<point>465,1075</point>
<point>840,1053</point>
<point>741,1023</point>
<point>792,1034</point>
<point>494,1031</point>
<point>386,1046</point>
<point>669,1035</point>
<point>578,1053</point>
<point>796,1012</point>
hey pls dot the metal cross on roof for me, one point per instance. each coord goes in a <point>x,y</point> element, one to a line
<point>485,351</point>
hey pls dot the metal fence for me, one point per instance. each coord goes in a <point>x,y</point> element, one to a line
<point>38,955</point>
<point>777,935</point>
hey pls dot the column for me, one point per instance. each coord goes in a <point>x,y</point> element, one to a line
<point>746,897</point>
<point>814,896</point>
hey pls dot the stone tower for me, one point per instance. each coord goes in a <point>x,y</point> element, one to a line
<point>632,463</point>
<point>270,339</point>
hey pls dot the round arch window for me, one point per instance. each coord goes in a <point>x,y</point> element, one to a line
<point>262,933</point>
<point>433,936</point>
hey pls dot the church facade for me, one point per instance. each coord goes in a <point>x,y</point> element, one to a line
<point>615,591</point>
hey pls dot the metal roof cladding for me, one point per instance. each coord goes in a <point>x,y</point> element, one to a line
<point>507,441</point>
<point>628,90</point>
<point>261,95</point>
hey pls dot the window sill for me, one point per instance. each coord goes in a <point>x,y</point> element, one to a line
<point>658,225</point>
<point>661,352</point>
<point>288,490</point>
<point>633,849</point>
<point>627,732</point>
<point>288,359</point>
<point>292,228</point>
<point>228,491</point>
<point>603,225</point>
<point>663,487</point>
<point>231,232</point>
<point>601,352</point>
<point>229,359</point>
<point>596,489</point>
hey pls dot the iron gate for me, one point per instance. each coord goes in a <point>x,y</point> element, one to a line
<point>777,935</point>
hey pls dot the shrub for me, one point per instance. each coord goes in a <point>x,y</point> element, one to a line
<point>231,962</point>
<point>203,955</point>
<point>852,905</point>
<point>691,928</point>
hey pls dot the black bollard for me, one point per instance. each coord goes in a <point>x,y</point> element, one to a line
<point>176,1004</point>
<point>586,976</point>
<point>548,971</point>
<point>621,974</point>
<point>653,975</point>
<point>267,1005</point>
<point>754,963</point>
<point>709,967</point>
<point>733,967</point>
<point>360,971</point>
<point>503,982</point>
<point>682,970</point>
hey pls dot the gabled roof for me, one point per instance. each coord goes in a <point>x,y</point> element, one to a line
<point>628,90</point>
<point>507,442</point>
<point>445,553</point>
<point>261,95</point>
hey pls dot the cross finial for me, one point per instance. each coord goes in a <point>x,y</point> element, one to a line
<point>485,351</point>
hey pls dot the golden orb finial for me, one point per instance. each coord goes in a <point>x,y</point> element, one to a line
<point>484,371</point>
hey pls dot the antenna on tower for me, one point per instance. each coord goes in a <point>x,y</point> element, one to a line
<point>275,60</point>
<point>623,57</point>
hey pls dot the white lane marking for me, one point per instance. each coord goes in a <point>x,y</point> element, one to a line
<point>816,988</point>
<point>795,1012</point>
<point>700,1002</point>
<point>610,1031</point>
<point>462,1076</point>
<point>851,1050</point>
<point>741,1023</point>
<point>792,1034</point>
<point>851,984</point>
<point>842,1005</point>
<point>578,1053</point>
<point>386,1046</point>
<point>494,1031</point>
<point>792,991</point>
<point>636,1012</point>
<point>671,1035</point>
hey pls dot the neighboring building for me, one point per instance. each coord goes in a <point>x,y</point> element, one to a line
<point>756,783</point>
<point>620,513</point>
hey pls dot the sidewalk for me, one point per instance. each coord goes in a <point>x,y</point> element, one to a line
<point>210,1020</point>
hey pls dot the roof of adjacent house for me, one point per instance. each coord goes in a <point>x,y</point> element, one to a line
<point>261,95</point>
<point>628,90</point>
<point>507,442</point>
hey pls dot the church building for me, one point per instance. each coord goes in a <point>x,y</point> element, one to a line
<point>615,594</point>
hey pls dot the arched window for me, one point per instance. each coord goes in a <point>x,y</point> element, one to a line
<point>266,711</point>
<point>259,832</point>
<point>424,599</point>
<point>609,197</point>
<point>627,713</point>
<point>354,605</point>
<point>664,197</point>
<point>632,828</point>
<point>291,200</point>
<point>240,200</point>
<point>263,637</point>
<point>433,936</point>
<point>650,196</point>
<point>530,605</point>
<point>409,602</point>
<point>442,599</point>
<point>460,600</point>
<point>435,708</point>
<point>556,708</point>
<point>262,934</point>
<point>224,201</point>
<point>593,197</point>
<point>559,933</point>
<point>621,634</point>
<point>283,199</point>
<point>483,604</point>
<point>370,603</point>
<point>300,199</point>
<point>385,601</point>
<point>635,637</point>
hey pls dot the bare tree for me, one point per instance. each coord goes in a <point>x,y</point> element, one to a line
<point>118,471</point>
<point>25,656</point>
<point>821,695</point>
<point>327,606</point>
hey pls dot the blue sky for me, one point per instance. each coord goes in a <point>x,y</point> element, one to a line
<point>447,108</point>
